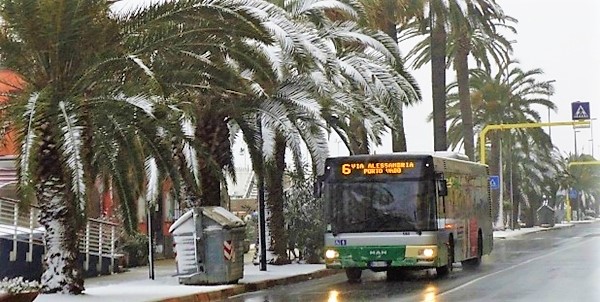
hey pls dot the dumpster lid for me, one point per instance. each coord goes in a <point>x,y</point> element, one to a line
<point>545,207</point>
<point>223,217</point>
<point>181,220</point>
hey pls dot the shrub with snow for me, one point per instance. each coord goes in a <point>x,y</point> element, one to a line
<point>18,285</point>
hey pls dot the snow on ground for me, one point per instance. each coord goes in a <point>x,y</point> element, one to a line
<point>167,286</point>
<point>514,233</point>
<point>134,286</point>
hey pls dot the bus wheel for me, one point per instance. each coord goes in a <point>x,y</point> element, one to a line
<point>446,269</point>
<point>475,262</point>
<point>353,274</point>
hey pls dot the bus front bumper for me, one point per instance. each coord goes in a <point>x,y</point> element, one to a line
<point>381,257</point>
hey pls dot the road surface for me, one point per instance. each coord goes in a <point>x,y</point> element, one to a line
<point>557,265</point>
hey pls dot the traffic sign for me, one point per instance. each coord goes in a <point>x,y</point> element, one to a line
<point>494,182</point>
<point>573,194</point>
<point>580,110</point>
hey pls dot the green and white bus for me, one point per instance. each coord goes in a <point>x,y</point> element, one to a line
<point>392,212</point>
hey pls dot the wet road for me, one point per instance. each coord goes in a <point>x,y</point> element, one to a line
<point>558,265</point>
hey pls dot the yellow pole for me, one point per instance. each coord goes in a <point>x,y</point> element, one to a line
<point>583,163</point>
<point>482,135</point>
<point>487,128</point>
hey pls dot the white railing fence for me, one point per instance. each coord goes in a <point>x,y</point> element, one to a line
<point>99,237</point>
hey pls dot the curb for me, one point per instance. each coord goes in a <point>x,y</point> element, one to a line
<point>250,287</point>
<point>538,231</point>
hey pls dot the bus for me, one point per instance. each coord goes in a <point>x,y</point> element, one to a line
<point>399,211</point>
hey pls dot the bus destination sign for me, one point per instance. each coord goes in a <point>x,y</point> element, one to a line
<point>375,168</point>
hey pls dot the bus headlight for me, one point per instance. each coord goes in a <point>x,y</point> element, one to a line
<point>428,253</point>
<point>331,254</point>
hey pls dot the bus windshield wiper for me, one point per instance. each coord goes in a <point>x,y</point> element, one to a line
<point>419,232</point>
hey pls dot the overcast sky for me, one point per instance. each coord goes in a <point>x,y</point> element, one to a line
<point>560,37</point>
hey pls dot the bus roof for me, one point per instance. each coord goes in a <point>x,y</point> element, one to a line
<point>440,154</point>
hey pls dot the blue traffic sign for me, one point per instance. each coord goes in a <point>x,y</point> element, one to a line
<point>572,194</point>
<point>494,182</point>
<point>580,110</point>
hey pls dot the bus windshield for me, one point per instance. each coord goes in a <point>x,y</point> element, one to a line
<point>405,205</point>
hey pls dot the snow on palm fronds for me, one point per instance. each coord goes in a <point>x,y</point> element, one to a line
<point>152,181</point>
<point>189,152</point>
<point>142,102</point>
<point>142,65</point>
<point>298,8</point>
<point>29,137</point>
<point>72,146</point>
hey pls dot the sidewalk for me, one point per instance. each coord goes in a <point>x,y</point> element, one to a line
<point>514,233</point>
<point>135,286</point>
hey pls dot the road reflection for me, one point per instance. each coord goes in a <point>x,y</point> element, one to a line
<point>333,296</point>
<point>430,293</point>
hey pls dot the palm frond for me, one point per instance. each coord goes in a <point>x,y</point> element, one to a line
<point>72,146</point>
<point>27,146</point>
<point>152,182</point>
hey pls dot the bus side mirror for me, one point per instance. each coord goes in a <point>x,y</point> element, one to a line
<point>317,190</point>
<point>442,187</point>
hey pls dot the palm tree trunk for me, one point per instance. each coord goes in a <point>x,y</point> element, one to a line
<point>438,82</point>
<point>188,196</point>
<point>213,135</point>
<point>389,27</point>
<point>211,187</point>
<point>274,200</point>
<point>359,142</point>
<point>466,112</point>
<point>59,216</point>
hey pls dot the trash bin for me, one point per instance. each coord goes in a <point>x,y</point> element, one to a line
<point>208,243</point>
<point>545,216</point>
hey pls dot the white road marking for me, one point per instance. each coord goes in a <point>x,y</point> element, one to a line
<point>509,268</point>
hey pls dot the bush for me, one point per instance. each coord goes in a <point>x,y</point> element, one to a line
<point>18,285</point>
<point>304,218</point>
<point>135,248</point>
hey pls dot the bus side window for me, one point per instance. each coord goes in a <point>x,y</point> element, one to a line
<point>442,187</point>
<point>442,191</point>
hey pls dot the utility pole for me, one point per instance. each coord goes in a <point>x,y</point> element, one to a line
<point>261,200</point>
<point>592,135</point>
<point>575,140</point>
<point>550,126</point>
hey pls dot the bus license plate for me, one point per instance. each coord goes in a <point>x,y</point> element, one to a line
<point>379,263</point>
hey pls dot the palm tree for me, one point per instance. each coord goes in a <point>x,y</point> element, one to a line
<point>501,99</point>
<point>581,178</point>
<point>475,26</point>
<point>385,15</point>
<point>344,75</point>
<point>438,38</point>
<point>466,27</point>
<point>530,167</point>
<point>94,101</point>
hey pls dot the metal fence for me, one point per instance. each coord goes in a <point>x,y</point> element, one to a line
<point>99,237</point>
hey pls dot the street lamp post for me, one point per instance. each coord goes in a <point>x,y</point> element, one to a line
<point>592,135</point>
<point>549,126</point>
<point>575,140</point>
